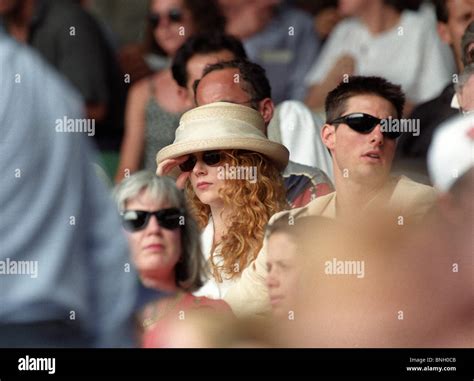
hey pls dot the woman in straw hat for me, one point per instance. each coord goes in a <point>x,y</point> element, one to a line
<point>231,175</point>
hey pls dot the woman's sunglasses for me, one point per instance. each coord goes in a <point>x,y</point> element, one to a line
<point>209,158</point>
<point>174,15</point>
<point>364,124</point>
<point>135,220</point>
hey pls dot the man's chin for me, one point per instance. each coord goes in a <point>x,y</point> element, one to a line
<point>371,174</point>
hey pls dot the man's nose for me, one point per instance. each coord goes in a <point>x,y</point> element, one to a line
<point>376,136</point>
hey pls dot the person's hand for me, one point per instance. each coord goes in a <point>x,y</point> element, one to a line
<point>166,166</point>
<point>345,65</point>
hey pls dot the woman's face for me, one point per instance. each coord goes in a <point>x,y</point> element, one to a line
<point>175,24</point>
<point>206,181</point>
<point>155,250</point>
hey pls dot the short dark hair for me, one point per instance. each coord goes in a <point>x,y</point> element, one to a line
<point>336,100</point>
<point>254,79</point>
<point>442,13</point>
<point>207,18</point>
<point>203,43</point>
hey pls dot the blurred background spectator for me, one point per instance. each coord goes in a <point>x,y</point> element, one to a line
<point>277,36</point>
<point>190,59</point>
<point>359,46</point>
<point>325,15</point>
<point>71,40</point>
<point>455,20</point>
<point>155,103</point>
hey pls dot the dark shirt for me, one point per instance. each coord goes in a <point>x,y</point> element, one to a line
<point>72,41</point>
<point>412,150</point>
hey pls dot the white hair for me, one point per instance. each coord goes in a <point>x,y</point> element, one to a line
<point>190,270</point>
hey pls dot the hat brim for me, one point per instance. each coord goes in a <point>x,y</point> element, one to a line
<point>276,152</point>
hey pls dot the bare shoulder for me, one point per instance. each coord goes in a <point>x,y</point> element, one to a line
<point>141,88</point>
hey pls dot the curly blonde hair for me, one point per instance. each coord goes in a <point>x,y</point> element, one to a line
<point>251,205</point>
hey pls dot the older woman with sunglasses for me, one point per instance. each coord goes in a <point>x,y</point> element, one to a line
<point>164,241</point>
<point>231,172</point>
<point>156,103</point>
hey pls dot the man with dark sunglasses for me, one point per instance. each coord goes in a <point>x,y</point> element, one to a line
<point>357,133</point>
<point>362,156</point>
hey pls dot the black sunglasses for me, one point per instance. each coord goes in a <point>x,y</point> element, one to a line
<point>208,157</point>
<point>174,15</point>
<point>134,220</point>
<point>364,124</point>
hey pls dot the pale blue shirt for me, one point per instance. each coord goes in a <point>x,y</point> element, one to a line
<point>286,49</point>
<point>56,216</point>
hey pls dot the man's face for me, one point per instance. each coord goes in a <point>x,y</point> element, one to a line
<point>222,86</point>
<point>364,158</point>
<point>227,86</point>
<point>198,62</point>
<point>461,13</point>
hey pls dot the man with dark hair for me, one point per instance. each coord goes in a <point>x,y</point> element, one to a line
<point>362,155</point>
<point>202,44</point>
<point>453,16</point>
<point>362,151</point>
<point>250,77</point>
<point>336,100</point>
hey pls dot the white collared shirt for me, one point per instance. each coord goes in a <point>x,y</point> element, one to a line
<point>212,289</point>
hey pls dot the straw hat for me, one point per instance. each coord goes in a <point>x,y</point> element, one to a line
<point>223,125</point>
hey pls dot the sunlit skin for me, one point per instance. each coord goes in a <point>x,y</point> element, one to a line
<point>226,86</point>
<point>206,183</point>
<point>283,274</point>
<point>198,63</point>
<point>362,158</point>
<point>155,250</point>
<point>221,86</point>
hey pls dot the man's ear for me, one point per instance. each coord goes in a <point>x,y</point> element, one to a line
<point>267,108</point>
<point>328,136</point>
<point>444,33</point>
